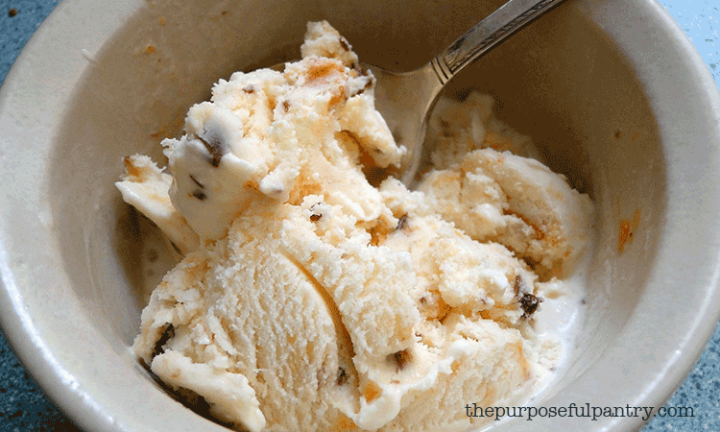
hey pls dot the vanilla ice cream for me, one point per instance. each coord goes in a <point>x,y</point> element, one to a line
<point>309,299</point>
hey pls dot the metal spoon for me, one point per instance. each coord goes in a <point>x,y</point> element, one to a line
<point>406,99</point>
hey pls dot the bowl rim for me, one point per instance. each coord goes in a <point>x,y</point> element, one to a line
<point>73,393</point>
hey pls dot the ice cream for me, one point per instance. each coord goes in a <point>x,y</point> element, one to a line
<point>309,299</point>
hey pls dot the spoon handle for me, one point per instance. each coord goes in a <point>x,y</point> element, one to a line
<point>495,28</point>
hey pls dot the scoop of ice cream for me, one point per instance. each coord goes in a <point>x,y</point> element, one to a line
<point>345,323</point>
<point>316,301</point>
<point>517,202</point>
<point>261,132</point>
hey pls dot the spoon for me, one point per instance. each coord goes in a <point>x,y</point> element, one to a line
<point>406,100</point>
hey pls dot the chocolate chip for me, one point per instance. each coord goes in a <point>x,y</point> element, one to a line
<point>402,358</point>
<point>402,222</point>
<point>200,185</point>
<point>286,106</point>
<point>529,304</point>
<point>199,195</point>
<point>530,262</point>
<point>315,216</point>
<point>249,89</point>
<point>12,12</point>
<point>362,90</point>
<point>344,44</point>
<point>167,334</point>
<point>341,377</point>
<point>368,84</point>
<point>214,144</point>
<point>519,285</point>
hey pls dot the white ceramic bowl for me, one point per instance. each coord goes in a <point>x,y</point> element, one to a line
<point>611,90</point>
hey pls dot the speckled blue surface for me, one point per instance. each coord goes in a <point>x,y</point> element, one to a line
<point>23,406</point>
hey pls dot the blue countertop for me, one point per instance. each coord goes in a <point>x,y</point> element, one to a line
<point>23,406</point>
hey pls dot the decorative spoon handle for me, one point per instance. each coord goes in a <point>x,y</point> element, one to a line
<point>484,36</point>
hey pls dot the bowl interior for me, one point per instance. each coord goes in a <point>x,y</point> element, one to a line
<point>562,81</point>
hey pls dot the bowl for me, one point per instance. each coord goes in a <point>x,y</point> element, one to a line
<point>611,91</point>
